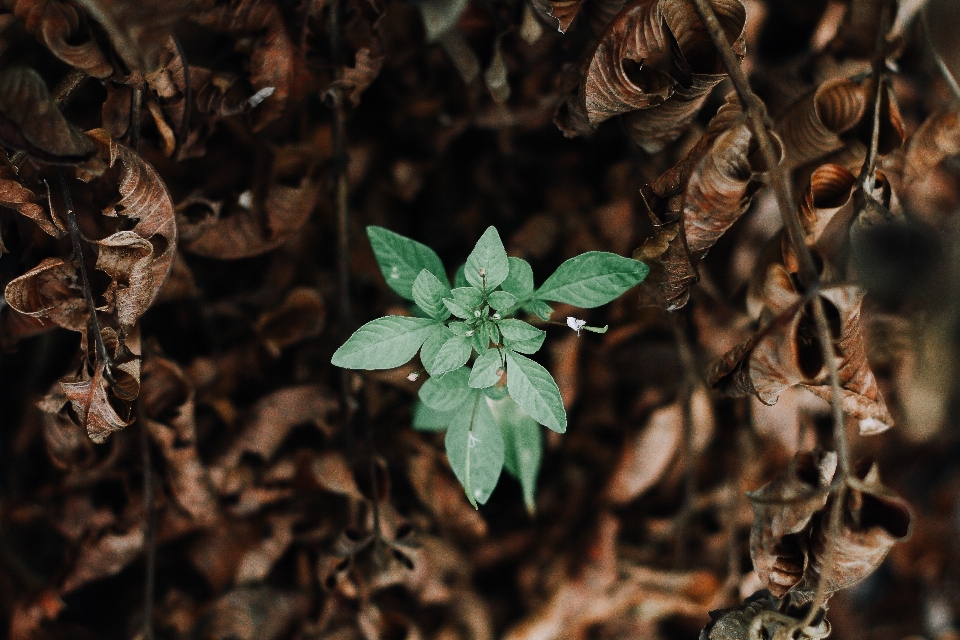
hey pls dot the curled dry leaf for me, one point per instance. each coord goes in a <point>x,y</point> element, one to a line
<point>243,234</point>
<point>697,69</point>
<point>302,315</point>
<point>698,199</point>
<point>786,352</point>
<point>31,121</point>
<point>811,127</point>
<point>273,57</point>
<point>138,261</point>
<point>60,27</point>
<point>51,291</point>
<point>16,196</point>
<point>98,401</point>
<point>104,555</point>
<point>169,406</point>
<point>272,417</point>
<point>827,209</point>
<point>937,138</point>
<point>253,613</point>
<point>558,13</point>
<point>655,56</point>
<point>137,30</point>
<point>647,455</point>
<point>67,442</point>
<point>874,519</point>
<point>783,510</point>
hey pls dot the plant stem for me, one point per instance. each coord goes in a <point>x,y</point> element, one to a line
<point>102,357</point>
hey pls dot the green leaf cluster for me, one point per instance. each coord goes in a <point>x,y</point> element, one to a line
<point>491,409</point>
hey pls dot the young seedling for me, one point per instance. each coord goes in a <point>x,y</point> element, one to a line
<point>491,409</point>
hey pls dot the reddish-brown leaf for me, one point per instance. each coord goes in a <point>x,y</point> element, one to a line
<point>811,127</point>
<point>59,27</point>
<point>783,509</point>
<point>31,121</point>
<point>874,519</point>
<point>51,291</point>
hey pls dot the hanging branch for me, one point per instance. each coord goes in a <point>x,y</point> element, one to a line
<point>756,114</point>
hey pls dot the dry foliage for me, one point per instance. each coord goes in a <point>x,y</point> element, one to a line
<point>183,192</point>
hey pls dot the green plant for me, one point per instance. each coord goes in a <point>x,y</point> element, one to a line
<point>491,410</point>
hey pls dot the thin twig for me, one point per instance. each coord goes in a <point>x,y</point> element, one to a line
<point>135,106</point>
<point>102,357</point>
<point>944,69</point>
<point>867,173</point>
<point>62,94</point>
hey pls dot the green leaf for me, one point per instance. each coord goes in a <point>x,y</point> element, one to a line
<point>495,392</point>
<point>514,330</point>
<point>458,309</point>
<point>447,392</point>
<point>487,369</point>
<point>520,336</point>
<point>459,328</point>
<point>592,279</point>
<point>459,279</point>
<point>452,355</point>
<point>502,300</point>
<point>468,296</point>
<point>523,444</point>
<point>490,257</point>
<point>533,388</point>
<point>480,338</point>
<point>384,343</point>
<point>476,452</point>
<point>520,280</point>
<point>538,308</point>
<point>428,293</point>
<point>402,259</point>
<point>528,346</point>
<point>427,419</point>
<point>431,347</point>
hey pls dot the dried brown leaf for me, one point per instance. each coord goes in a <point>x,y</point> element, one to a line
<point>51,291</point>
<point>243,234</point>
<point>59,27</point>
<point>302,315</point>
<point>169,406</point>
<point>31,121</point>
<point>656,62</point>
<point>786,352</point>
<point>16,196</point>
<point>783,510</point>
<point>253,613</point>
<point>558,13</point>
<point>937,138</point>
<point>273,57</point>
<point>647,455</point>
<point>811,127</point>
<point>104,555</point>
<point>697,68</point>
<point>874,519</point>
<point>708,190</point>
<point>138,260</point>
<point>271,419</point>
<point>138,29</point>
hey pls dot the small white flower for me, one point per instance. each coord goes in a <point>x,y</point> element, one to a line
<point>482,272</point>
<point>412,377</point>
<point>496,316</point>
<point>469,333</point>
<point>476,313</point>
<point>575,324</point>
